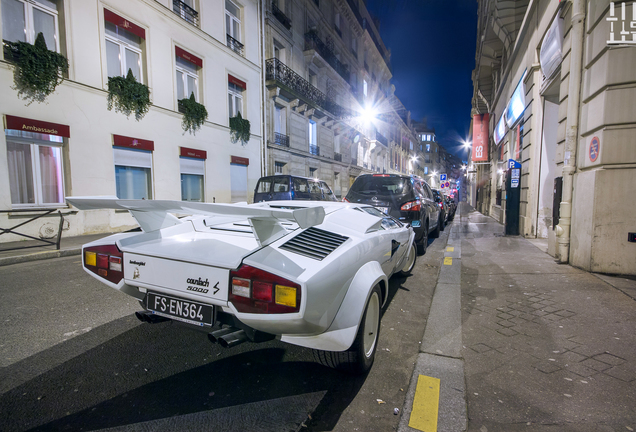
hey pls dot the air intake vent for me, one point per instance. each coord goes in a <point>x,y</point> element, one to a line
<point>314,243</point>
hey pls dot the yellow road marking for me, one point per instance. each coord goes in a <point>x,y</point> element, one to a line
<point>448,261</point>
<point>450,249</point>
<point>425,404</point>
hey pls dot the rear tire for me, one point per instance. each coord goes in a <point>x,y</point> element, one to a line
<point>423,243</point>
<point>359,357</point>
<point>410,261</point>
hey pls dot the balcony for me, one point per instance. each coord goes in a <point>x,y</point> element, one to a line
<point>235,45</point>
<point>185,12</point>
<point>337,157</point>
<point>280,16</point>
<point>312,41</point>
<point>281,140</point>
<point>314,150</point>
<point>298,87</point>
<point>381,139</point>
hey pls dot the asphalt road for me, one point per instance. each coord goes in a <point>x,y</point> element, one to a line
<point>73,357</point>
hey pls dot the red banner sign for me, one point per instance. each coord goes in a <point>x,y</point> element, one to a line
<point>36,126</point>
<point>237,82</point>
<point>136,143</point>
<point>193,153</point>
<point>113,18</point>
<point>180,52</point>
<point>240,160</point>
<point>480,137</point>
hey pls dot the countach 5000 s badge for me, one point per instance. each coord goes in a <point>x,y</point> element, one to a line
<point>201,285</point>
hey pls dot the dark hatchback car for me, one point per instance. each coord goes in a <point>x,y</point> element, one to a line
<point>407,198</point>
<point>289,187</point>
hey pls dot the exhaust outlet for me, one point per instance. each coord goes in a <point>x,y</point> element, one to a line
<point>215,335</point>
<point>232,339</point>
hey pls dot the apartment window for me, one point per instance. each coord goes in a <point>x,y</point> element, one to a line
<point>425,170</point>
<point>280,120</point>
<point>124,46</point>
<point>354,45</point>
<point>133,173</point>
<point>187,70</point>
<point>364,87</point>
<point>337,23</point>
<point>312,172</point>
<point>235,90</point>
<point>233,20</point>
<point>192,176</point>
<point>411,145</point>
<point>428,148</point>
<point>22,21</point>
<point>312,133</point>
<point>36,176</point>
<point>278,167</point>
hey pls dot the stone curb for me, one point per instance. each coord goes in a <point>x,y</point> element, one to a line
<point>40,256</point>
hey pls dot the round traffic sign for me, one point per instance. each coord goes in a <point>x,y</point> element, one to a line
<point>595,149</point>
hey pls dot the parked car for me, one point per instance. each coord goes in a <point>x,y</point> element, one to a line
<point>288,187</point>
<point>452,207</point>
<point>443,206</point>
<point>314,274</point>
<point>408,199</point>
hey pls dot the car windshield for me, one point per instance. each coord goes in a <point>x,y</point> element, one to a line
<point>381,186</point>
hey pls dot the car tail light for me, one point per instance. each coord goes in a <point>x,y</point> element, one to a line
<point>345,200</point>
<point>106,261</point>
<point>381,175</point>
<point>441,206</point>
<point>412,206</point>
<point>256,291</point>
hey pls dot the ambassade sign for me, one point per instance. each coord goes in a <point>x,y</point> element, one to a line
<point>36,126</point>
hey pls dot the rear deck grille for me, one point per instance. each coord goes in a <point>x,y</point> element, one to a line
<point>314,243</point>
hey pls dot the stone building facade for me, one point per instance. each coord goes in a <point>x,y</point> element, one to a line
<point>557,80</point>
<point>72,145</point>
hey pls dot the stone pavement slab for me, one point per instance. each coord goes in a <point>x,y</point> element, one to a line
<point>545,346</point>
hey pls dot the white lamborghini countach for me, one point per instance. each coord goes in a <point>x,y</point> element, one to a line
<point>313,274</point>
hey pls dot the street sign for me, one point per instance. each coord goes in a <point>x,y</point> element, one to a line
<point>442,177</point>
<point>513,164</point>
<point>447,184</point>
<point>441,185</point>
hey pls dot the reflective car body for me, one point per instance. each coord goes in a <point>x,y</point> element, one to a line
<point>407,198</point>
<point>289,187</point>
<point>302,272</point>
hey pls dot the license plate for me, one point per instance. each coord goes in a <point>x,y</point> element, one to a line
<point>182,310</point>
<point>383,209</point>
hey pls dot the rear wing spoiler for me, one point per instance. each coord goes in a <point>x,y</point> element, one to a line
<point>153,215</point>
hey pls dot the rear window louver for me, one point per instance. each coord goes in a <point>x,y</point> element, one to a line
<point>314,243</point>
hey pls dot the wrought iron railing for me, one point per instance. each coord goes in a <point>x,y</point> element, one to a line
<point>12,230</point>
<point>276,70</point>
<point>280,15</point>
<point>337,157</point>
<point>235,45</point>
<point>185,12</point>
<point>281,140</point>
<point>314,150</point>
<point>312,41</point>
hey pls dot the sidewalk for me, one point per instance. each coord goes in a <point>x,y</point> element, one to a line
<point>546,346</point>
<point>68,246</point>
<point>520,342</point>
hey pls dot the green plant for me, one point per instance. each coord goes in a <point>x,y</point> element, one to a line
<point>38,71</point>
<point>239,129</point>
<point>128,95</point>
<point>194,114</point>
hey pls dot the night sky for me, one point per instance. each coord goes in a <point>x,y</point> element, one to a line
<point>432,45</point>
